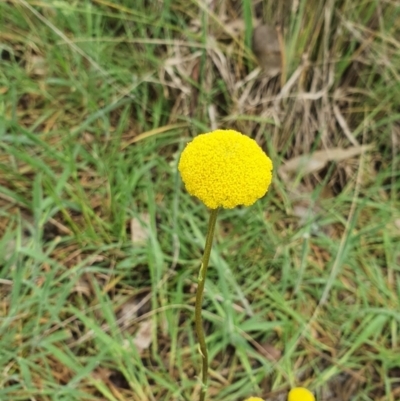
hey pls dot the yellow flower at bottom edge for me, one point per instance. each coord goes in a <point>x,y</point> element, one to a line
<point>300,394</point>
<point>254,399</point>
<point>295,394</point>
<point>225,168</point>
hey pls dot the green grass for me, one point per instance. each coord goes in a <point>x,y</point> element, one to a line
<point>97,101</point>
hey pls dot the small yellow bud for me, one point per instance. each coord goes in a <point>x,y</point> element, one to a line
<point>300,394</point>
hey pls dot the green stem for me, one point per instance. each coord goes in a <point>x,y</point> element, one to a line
<point>199,300</point>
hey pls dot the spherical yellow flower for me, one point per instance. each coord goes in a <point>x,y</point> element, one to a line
<point>300,394</point>
<point>225,168</point>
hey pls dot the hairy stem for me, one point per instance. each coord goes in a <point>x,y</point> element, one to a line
<point>199,300</point>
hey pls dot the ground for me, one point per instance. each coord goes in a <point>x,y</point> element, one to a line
<point>100,244</point>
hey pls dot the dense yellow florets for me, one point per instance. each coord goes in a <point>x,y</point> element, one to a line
<point>300,394</point>
<point>225,168</point>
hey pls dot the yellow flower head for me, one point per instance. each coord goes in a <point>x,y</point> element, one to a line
<point>225,168</point>
<point>300,394</point>
<point>254,399</point>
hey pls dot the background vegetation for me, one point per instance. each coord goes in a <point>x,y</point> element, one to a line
<point>100,244</point>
